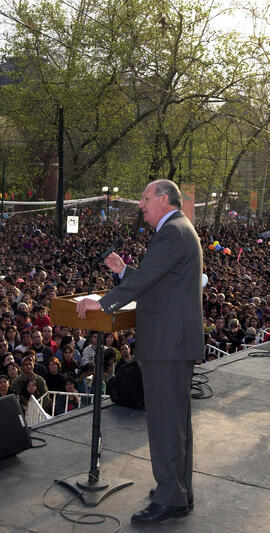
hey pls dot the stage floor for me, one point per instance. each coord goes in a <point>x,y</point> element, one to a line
<point>231,463</point>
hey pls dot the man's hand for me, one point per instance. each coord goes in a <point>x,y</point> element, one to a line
<point>87,304</point>
<point>115,263</point>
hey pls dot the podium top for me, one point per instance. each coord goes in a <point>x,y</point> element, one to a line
<point>63,313</point>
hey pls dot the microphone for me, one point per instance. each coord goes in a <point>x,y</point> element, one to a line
<point>116,244</point>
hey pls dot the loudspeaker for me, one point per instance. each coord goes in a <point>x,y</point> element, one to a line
<point>14,431</point>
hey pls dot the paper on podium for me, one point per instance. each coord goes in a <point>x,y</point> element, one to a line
<point>128,307</point>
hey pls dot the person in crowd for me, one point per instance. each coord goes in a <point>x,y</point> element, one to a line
<point>70,367</point>
<point>26,338</point>
<point>54,378</point>
<point>5,360</point>
<point>79,340</point>
<point>47,339</point>
<point>111,340</point>
<point>88,354</point>
<point>4,385</point>
<point>66,404</point>
<point>31,388</point>
<point>68,340</point>
<point>22,319</point>
<point>13,371</point>
<point>18,384</point>
<point>42,319</point>
<point>125,356</point>
<point>12,338</point>
<point>43,353</point>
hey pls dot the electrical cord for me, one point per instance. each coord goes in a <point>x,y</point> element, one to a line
<point>97,518</point>
<point>43,442</point>
<point>200,390</point>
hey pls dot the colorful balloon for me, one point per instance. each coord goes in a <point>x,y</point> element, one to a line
<point>211,247</point>
<point>227,251</point>
<point>217,247</point>
<point>215,243</point>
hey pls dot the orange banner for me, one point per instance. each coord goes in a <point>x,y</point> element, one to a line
<point>188,193</point>
<point>253,200</point>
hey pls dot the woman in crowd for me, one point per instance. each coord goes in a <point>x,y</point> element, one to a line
<point>12,338</point>
<point>13,371</point>
<point>70,367</point>
<point>54,378</point>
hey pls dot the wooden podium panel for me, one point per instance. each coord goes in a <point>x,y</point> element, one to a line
<point>63,313</point>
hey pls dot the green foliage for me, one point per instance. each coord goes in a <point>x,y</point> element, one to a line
<point>146,87</point>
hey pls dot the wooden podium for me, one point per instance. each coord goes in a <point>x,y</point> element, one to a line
<point>63,313</point>
<point>91,489</point>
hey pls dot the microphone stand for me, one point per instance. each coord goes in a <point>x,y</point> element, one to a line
<point>94,488</point>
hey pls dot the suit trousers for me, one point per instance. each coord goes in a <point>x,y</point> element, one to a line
<point>167,387</point>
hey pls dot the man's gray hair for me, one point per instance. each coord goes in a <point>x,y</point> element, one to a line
<point>170,188</point>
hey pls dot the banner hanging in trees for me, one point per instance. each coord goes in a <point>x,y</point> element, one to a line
<point>253,200</point>
<point>188,193</point>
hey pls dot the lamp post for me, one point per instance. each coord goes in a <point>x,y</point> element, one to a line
<point>108,191</point>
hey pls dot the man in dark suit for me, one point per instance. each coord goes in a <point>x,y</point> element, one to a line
<point>169,338</point>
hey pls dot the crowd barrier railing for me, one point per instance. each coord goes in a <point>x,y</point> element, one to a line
<point>35,413</point>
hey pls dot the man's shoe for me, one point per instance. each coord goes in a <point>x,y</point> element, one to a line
<point>190,502</point>
<point>155,512</point>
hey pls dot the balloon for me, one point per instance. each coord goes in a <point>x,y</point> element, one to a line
<point>215,243</point>
<point>141,230</point>
<point>227,251</point>
<point>204,280</point>
<point>217,247</point>
<point>211,247</point>
<point>259,241</point>
<point>222,248</point>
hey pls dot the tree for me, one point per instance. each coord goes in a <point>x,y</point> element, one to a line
<point>138,81</point>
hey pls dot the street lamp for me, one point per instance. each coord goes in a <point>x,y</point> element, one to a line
<point>109,191</point>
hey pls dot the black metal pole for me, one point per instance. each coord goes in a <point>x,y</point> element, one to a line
<point>96,435</point>
<point>108,204</point>
<point>3,189</point>
<point>60,196</point>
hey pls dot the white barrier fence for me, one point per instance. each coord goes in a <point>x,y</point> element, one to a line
<point>35,413</point>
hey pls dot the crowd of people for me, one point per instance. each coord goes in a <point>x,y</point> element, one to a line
<point>37,355</point>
